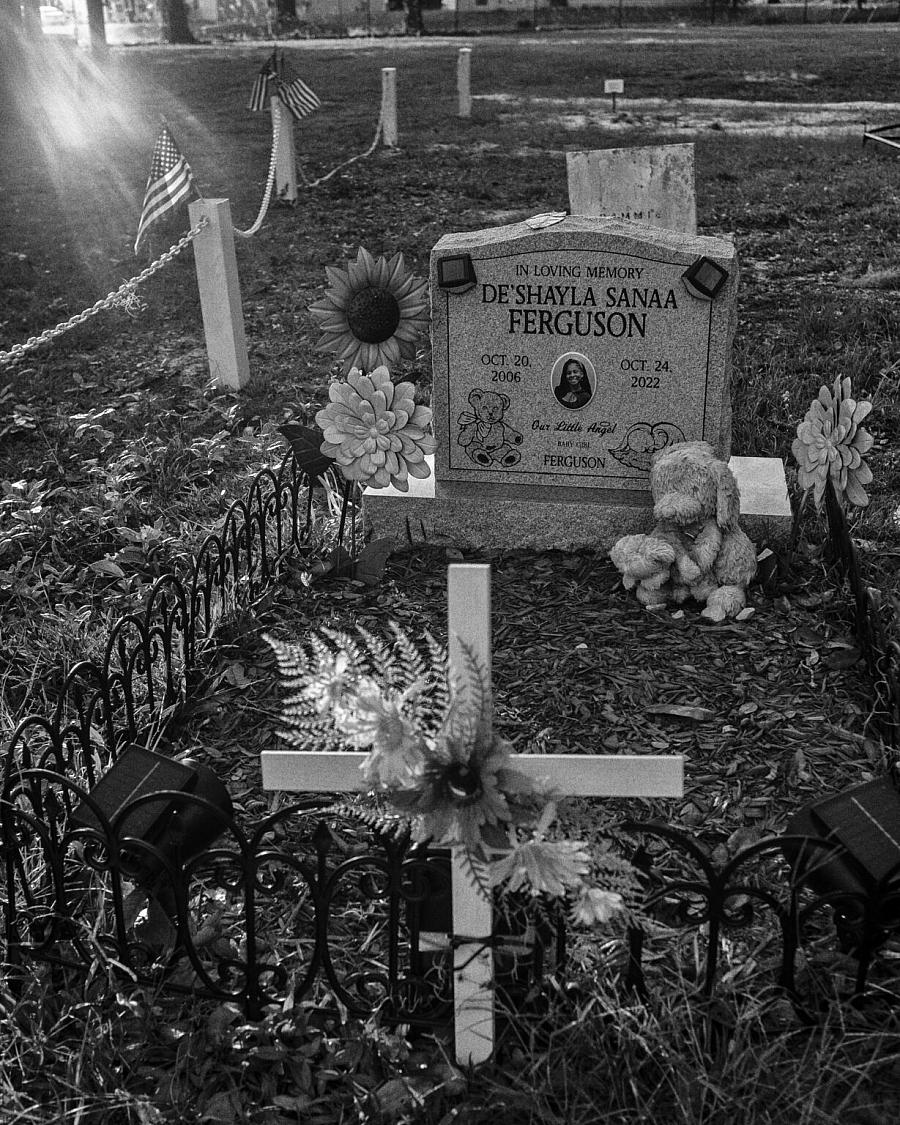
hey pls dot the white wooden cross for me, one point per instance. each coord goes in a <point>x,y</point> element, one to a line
<point>312,771</point>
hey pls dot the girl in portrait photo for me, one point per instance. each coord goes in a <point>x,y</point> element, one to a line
<point>574,388</point>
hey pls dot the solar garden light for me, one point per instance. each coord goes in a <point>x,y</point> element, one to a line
<point>864,822</point>
<point>704,278</point>
<point>122,808</point>
<point>456,273</point>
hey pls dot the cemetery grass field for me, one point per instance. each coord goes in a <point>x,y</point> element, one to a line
<point>117,459</point>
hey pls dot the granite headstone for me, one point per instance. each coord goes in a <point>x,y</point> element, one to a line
<point>578,351</point>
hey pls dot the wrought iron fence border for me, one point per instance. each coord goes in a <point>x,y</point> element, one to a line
<point>88,874</point>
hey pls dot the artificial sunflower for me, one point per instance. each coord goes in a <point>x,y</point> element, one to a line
<point>458,793</point>
<point>373,313</point>
<point>549,867</point>
<point>377,721</point>
<point>830,442</point>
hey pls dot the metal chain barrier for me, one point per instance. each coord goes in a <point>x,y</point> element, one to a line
<point>350,160</point>
<point>270,181</point>
<point>124,297</point>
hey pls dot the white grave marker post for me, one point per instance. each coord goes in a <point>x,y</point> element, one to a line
<point>220,293</point>
<point>317,771</point>
<point>389,106</point>
<point>463,81</point>
<point>469,627</point>
<point>614,86</point>
<point>285,154</point>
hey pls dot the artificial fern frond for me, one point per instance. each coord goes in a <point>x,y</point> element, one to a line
<point>471,681</point>
<point>331,660</point>
<point>477,871</point>
<point>439,672</point>
<point>359,658</point>
<point>374,818</point>
<point>614,873</point>
<point>291,659</point>
<point>409,658</point>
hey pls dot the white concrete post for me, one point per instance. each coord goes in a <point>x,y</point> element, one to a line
<point>389,106</point>
<point>220,293</point>
<point>463,81</point>
<point>285,156</point>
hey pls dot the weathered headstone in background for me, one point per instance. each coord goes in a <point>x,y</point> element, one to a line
<point>564,356</point>
<point>652,185</point>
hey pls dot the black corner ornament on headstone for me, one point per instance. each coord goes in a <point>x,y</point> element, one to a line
<point>864,825</point>
<point>178,829</point>
<point>704,279</point>
<point>456,273</point>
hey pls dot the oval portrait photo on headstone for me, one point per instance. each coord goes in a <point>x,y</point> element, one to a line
<point>574,380</point>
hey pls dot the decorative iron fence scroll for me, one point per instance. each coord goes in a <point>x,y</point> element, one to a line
<point>755,905</point>
<point>304,904</point>
<point>272,908</point>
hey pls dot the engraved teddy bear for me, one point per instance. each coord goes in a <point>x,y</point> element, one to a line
<point>484,435</point>
<point>697,548</point>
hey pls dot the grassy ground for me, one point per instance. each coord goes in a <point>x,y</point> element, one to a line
<point>114,449</point>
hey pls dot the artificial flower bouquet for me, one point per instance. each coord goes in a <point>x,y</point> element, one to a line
<point>433,767</point>
<point>375,434</point>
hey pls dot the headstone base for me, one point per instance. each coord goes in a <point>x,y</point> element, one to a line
<point>435,512</point>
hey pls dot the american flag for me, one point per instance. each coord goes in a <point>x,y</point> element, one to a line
<point>298,97</point>
<point>170,180</point>
<point>259,95</point>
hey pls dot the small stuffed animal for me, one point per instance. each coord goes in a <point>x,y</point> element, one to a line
<point>646,564</point>
<point>696,505</point>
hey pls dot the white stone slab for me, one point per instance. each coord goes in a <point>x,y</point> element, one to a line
<point>432,512</point>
